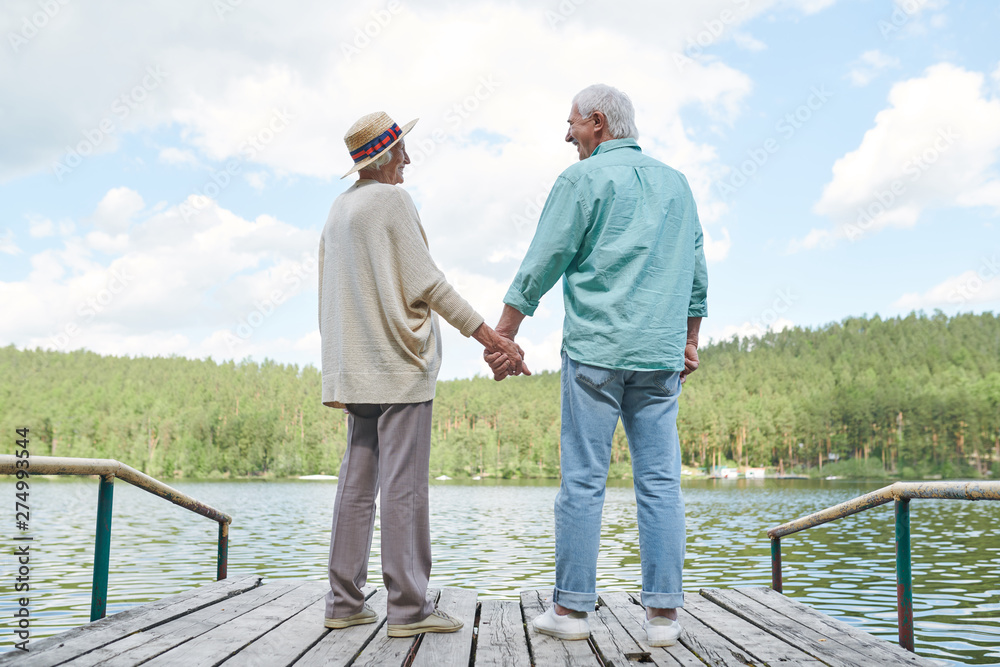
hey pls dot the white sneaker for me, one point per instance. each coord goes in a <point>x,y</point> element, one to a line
<point>661,631</point>
<point>573,625</point>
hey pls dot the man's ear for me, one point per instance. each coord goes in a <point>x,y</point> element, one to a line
<point>600,121</point>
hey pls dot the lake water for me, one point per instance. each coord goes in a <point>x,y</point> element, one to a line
<point>497,538</point>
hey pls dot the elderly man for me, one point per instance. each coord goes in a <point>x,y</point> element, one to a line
<point>379,291</point>
<point>622,230</point>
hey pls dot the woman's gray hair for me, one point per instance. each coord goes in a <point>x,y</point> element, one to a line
<point>614,104</point>
<point>384,157</point>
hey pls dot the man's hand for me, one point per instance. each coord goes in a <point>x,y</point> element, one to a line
<point>511,359</point>
<point>503,354</point>
<point>691,349</point>
<point>690,361</point>
<point>499,360</point>
<point>501,365</point>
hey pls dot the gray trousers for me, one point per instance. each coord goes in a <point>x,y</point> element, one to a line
<point>388,445</point>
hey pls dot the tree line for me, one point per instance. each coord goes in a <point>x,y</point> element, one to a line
<point>910,396</point>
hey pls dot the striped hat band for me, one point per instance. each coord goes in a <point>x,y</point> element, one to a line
<point>375,146</point>
<point>371,136</point>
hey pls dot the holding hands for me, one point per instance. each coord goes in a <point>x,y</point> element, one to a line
<point>504,356</point>
<point>507,357</point>
<point>506,360</point>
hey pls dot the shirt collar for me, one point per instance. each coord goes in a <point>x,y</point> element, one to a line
<point>614,144</point>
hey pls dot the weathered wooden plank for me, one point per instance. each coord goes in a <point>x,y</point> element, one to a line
<point>67,645</point>
<point>768,648</point>
<point>452,649</point>
<point>711,648</point>
<point>339,647</point>
<point>219,643</point>
<point>141,646</point>
<point>631,615</point>
<point>384,650</point>
<point>284,644</point>
<point>547,650</point>
<point>501,642</point>
<point>813,631</point>
<point>613,643</point>
<point>824,646</point>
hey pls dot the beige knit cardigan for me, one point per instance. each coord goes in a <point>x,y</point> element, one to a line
<point>378,290</point>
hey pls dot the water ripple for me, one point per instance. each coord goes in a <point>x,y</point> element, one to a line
<point>497,538</point>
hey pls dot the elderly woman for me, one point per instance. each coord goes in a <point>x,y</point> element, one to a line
<point>379,292</point>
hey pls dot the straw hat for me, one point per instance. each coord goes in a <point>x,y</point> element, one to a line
<point>370,136</point>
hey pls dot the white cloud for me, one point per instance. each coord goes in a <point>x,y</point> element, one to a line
<point>257,180</point>
<point>980,285</point>
<point>312,342</point>
<point>936,144</point>
<point>816,238</point>
<point>916,7</point>
<point>221,87</point>
<point>40,227</point>
<point>750,329</point>
<point>117,209</point>
<point>7,245</point>
<point>163,281</point>
<point>179,156</point>
<point>544,355</point>
<point>813,6</point>
<point>717,249</point>
<point>254,87</point>
<point>870,65</point>
<point>748,42</point>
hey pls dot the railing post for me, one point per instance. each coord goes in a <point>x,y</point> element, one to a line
<point>223,563</point>
<point>776,563</point>
<point>102,549</point>
<point>904,575</point>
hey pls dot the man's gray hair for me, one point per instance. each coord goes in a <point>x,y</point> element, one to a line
<point>384,157</point>
<point>614,104</point>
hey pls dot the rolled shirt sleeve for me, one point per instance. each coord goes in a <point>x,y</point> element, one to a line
<point>558,237</point>
<point>699,286</point>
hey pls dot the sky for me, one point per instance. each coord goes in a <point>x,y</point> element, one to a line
<point>166,167</point>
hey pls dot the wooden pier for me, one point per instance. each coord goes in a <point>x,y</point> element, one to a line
<point>241,622</point>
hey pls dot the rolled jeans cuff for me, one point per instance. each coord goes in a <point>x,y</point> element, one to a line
<point>661,600</point>
<point>575,601</point>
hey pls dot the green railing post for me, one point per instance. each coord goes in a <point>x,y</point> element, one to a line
<point>776,563</point>
<point>102,549</point>
<point>904,575</point>
<point>223,561</point>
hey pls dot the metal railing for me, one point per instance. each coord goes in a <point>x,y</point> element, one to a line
<point>108,470</point>
<point>901,493</point>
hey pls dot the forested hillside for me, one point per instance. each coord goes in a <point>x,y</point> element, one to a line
<point>920,395</point>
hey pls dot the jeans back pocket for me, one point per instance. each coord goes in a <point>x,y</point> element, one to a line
<point>594,376</point>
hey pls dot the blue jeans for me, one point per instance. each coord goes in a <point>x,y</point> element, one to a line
<point>592,400</point>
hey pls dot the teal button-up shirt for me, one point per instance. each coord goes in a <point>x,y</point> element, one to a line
<point>622,230</point>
